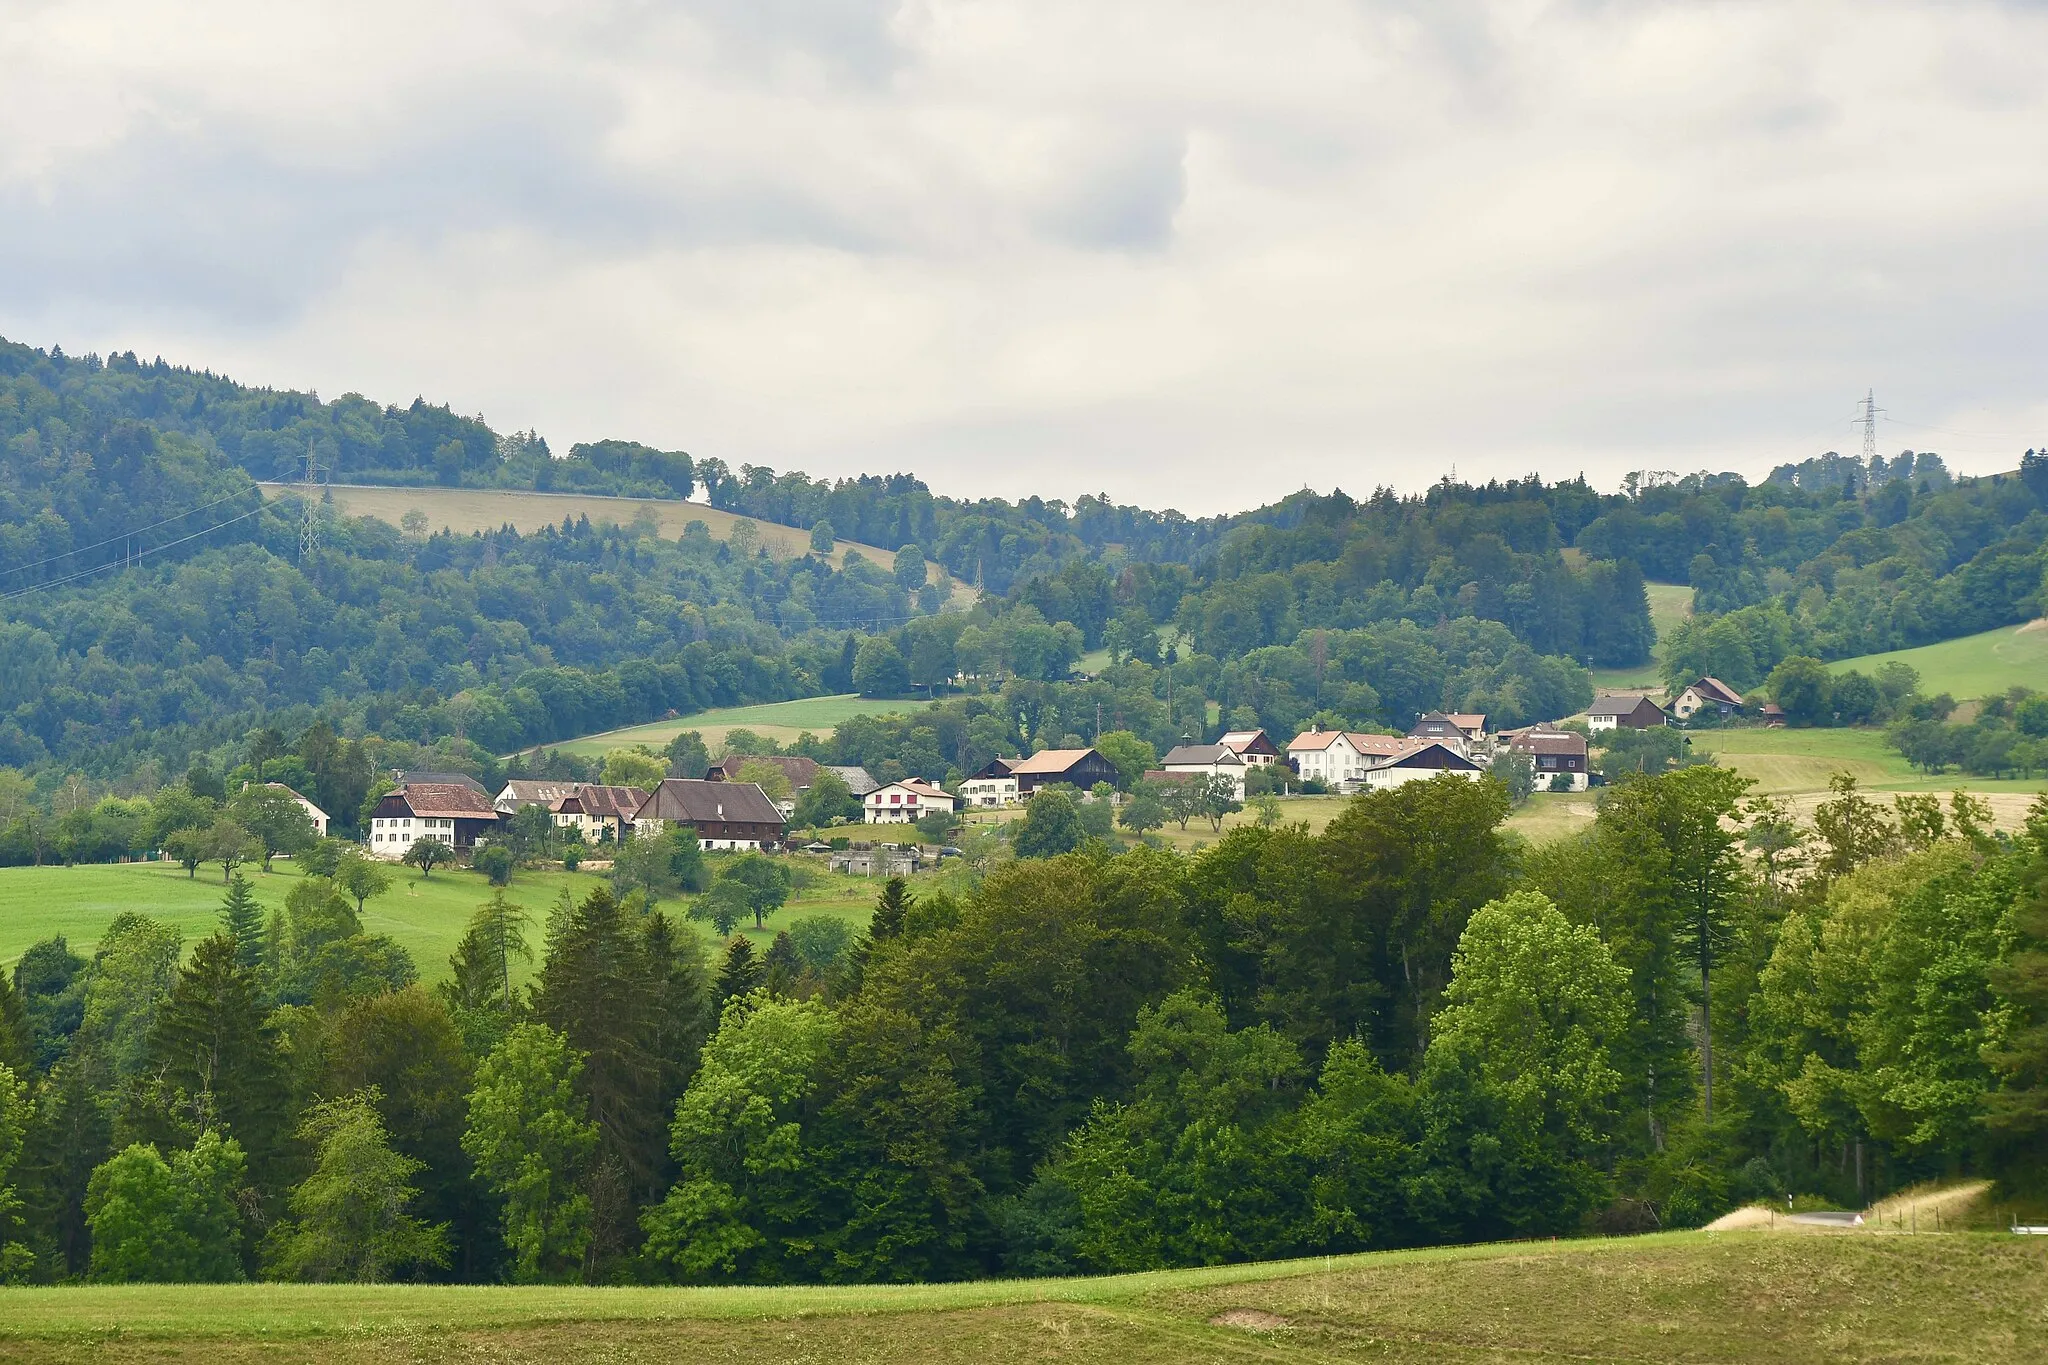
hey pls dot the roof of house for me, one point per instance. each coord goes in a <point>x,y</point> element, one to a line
<point>442,799</point>
<point>1204,755</point>
<point>279,786</point>
<point>799,770</point>
<point>695,801</point>
<point>1618,705</point>
<point>1313,741</point>
<point>1771,708</point>
<point>1049,761</point>
<point>1713,689</point>
<point>535,791</point>
<point>1548,742</point>
<point>1242,741</point>
<point>1413,758</point>
<point>1162,775</point>
<point>1468,720</point>
<point>916,787</point>
<point>857,780</point>
<point>410,779</point>
<point>1380,746</point>
<point>592,799</point>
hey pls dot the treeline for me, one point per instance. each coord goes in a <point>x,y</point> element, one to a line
<point>1946,562</point>
<point>1404,1030</point>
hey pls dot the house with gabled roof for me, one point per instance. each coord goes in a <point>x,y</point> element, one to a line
<point>1433,758</point>
<point>1627,711</point>
<point>900,803</point>
<point>1334,757</point>
<point>454,813</point>
<point>1554,753</point>
<point>1704,694</point>
<point>599,813</point>
<point>1208,760</point>
<point>726,815</point>
<point>1255,747</point>
<point>1081,768</point>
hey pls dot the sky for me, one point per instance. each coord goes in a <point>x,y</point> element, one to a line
<point>1187,253</point>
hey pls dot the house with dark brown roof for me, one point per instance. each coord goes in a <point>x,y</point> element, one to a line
<point>1432,758</point>
<point>1624,712</point>
<point>726,815</point>
<point>451,812</point>
<point>521,792</point>
<point>597,812</point>
<point>1555,753</point>
<point>1704,694</point>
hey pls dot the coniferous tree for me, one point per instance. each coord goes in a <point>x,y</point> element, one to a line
<point>780,965</point>
<point>243,920</point>
<point>891,906</point>
<point>683,1007</point>
<point>71,1133</point>
<point>478,990</point>
<point>212,1048</point>
<point>597,991</point>
<point>17,1039</point>
<point>740,973</point>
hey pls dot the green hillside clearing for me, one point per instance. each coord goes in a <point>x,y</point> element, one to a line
<point>464,510</point>
<point>1750,1296</point>
<point>781,721</point>
<point>1973,666</point>
<point>1670,603</point>
<point>427,916</point>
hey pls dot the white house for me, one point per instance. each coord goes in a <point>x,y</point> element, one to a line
<point>1255,747</point>
<point>1334,757</point>
<point>899,803</point>
<point>989,788</point>
<point>1419,764</point>
<point>1213,760</point>
<point>448,811</point>
<point>313,812</point>
<point>1706,694</point>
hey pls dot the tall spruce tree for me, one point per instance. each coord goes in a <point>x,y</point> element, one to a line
<point>478,990</point>
<point>597,991</point>
<point>72,1132</point>
<point>242,919</point>
<point>17,1039</point>
<point>740,973</point>
<point>212,1048</point>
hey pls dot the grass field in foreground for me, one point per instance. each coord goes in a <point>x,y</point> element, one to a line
<point>426,916</point>
<point>780,721</point>
<point>464,510</point>
<point>1749,1296</point>
<point>1972,666</point>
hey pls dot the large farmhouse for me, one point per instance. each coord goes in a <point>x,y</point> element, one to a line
<point>726,815</point>
<point>451,812</point>
<point>1081,768</point>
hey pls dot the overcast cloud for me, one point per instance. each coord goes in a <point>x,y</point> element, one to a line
<point>1189,253</point>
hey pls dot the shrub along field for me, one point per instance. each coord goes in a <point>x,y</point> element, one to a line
<point>427,916</point>
<point>1752,1296</point>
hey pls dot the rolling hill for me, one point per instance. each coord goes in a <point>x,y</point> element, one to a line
<point>464,510</point>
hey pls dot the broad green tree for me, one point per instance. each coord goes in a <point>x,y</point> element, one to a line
<point>532,1140</point>
<point>1050,826</point>
<point>349,1219</point>
<point>747,1194</point>
<point>175,1220</point>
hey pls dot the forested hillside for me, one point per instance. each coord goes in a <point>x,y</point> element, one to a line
<point>157,611</point>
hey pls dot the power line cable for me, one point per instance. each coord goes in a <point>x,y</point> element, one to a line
<point>122,563</point>
<point>125,535</point>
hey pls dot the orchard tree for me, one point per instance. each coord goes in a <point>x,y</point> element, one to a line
<point>428,854</point>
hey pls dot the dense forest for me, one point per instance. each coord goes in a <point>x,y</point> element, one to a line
<point>1407,1029</point>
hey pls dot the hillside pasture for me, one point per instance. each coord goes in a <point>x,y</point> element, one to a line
<point>781,721</point>
<point>427,916</point>
<point>1670,603</point>
<point>467,510</point>
<point>1972,666</point>
<point>1751,1296</point>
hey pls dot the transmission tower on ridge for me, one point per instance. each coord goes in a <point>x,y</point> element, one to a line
<point>309,528</point>
<point>1869,423</point>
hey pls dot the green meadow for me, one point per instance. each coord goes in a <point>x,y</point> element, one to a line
<point>1799,1299</point>
<point>1972,666</point>
<point>781,721</point>
<point>426,915</point>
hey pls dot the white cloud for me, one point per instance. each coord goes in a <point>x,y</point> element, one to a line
<point>1193,253</point>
